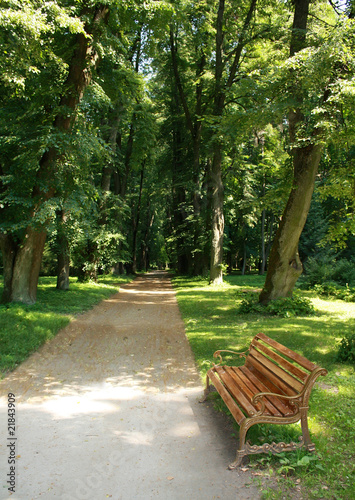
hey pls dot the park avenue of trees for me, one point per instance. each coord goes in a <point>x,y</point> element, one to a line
<point>208,135</point>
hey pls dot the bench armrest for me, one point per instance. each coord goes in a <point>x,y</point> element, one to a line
<point>257,397</point>
<point>217,354</point>
<point>301,398</point>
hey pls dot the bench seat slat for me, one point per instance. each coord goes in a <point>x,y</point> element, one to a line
<point>250,385</point>
<point>228,377</point>
<point>281,405</point>
<point>275,369</point>
<point>227,398</point>
<point>288,352</point>
<point>284,363</point>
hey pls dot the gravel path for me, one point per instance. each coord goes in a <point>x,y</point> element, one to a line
<point>109,409</point>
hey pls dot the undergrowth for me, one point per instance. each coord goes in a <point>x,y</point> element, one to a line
<point>284,307</point>
<point>330,289</point>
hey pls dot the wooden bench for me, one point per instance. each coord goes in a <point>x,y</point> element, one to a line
<point>273,386</point>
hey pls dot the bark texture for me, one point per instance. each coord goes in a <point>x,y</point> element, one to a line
<point>285,266</point>
<point>22,264</point>
<point>63,255</point>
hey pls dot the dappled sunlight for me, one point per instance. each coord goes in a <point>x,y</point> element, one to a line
<point>111,404</point>
<point>70,406</point>
<point>127,434</point>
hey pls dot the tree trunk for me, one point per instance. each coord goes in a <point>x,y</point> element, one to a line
<point>193,263</point>
<point>263,251</point>
<point>23,261</point>
<point>63,254</point>
<point>216,274</point>
<point>285,266</point>
<point>21,266</point>
<point>135,222</point>
<point>222,85</point>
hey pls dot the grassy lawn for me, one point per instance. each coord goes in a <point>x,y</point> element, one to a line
<point>25,328</point>
<point>212,322</point>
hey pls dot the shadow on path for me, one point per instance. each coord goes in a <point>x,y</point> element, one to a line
<point>109,409</point>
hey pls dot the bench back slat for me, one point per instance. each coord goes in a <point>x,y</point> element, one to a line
<point>267,376</point>
<point>284,363</point>
<point>270,366</point>
<point>304,362</point>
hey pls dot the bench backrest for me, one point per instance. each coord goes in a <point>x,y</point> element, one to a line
<point>283,370</point>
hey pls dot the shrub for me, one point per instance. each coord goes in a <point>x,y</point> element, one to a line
<point>344,272</point>
<point>331,289</point>
<point>346,352</point>
<point>327,289</point>
<point>318,271</point>
<point>328,270</point>
<point>286,307</point>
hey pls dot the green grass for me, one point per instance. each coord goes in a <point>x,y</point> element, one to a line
<point>212,322</point>
<point>25,328</point>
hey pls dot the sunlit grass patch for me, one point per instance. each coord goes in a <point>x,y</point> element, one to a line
<point>212,322</point>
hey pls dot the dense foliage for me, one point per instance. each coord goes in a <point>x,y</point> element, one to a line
<point>136,134</point>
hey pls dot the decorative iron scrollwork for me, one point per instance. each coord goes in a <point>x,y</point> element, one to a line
<point>217,354</point>
<point>273,447</point>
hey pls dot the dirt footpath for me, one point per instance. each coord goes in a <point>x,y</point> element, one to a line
<point>109,409</point>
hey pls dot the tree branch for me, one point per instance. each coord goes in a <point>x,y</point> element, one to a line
<point>241,44</point>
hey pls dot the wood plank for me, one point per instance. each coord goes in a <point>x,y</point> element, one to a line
<point>227,398</point>
<point>281,405</point>
<point>228,377</point>
<point>302,361</point>
<point>247,381</point>
<point>277,370</point>
<point>284,363</point>
<point>269,378</point>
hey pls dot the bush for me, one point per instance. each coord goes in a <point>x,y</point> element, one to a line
<point>286,307</point>
<point>331,289</point>
<point>346,352</point>
<point>344,272</point>
<point>328,270</point>
<point>318,271</point>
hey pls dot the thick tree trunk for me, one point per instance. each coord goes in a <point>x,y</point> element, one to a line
<point>8,249</point>
<point>285,266</point>
<point>21,266</point>
<point>63,267</point>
